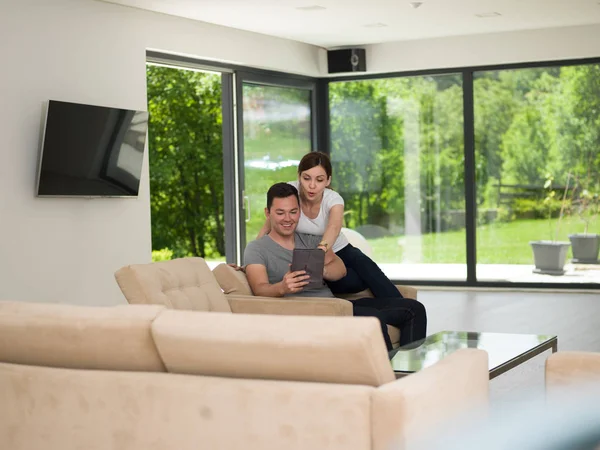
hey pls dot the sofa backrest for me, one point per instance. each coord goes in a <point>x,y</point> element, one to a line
<point>345,350</point>
<point>185,283</point>
<point>232,281</point>
<point>79,337</point>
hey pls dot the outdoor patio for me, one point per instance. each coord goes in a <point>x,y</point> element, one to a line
<point>516,273</point>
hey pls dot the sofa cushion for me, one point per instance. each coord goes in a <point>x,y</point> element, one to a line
<point>406,291</point>
<point>185,283</point>
<point>232,281</point>
<point>347,350</point>
<point>80,337</point>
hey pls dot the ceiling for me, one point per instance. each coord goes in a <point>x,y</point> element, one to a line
<point>337,23</point>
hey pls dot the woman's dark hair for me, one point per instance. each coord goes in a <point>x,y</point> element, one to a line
<point>281,190</point>
<point>314,159</point>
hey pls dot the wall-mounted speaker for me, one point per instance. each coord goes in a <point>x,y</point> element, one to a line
<point>347,60</point>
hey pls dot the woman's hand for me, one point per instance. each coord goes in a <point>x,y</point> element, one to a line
<point>238,268</point>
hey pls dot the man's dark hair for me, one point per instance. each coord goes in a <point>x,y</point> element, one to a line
<point>281,190</point>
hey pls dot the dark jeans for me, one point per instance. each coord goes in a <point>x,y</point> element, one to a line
<point>404,313</point>
<point>362,273</point>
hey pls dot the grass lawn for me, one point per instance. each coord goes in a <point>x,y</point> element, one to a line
<point>497,243</point>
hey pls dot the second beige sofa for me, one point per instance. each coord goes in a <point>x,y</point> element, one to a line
<point>76,377</point>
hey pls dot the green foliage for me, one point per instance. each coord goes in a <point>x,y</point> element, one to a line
<point>162,255</point>
<point>397,144</point>
<point>186,161</point>
<point>534,209</point>
<point>586,202</point>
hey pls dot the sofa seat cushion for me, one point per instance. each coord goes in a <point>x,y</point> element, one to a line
<point>347,350</point>
<point>79,337</point>
<point>185,283</point>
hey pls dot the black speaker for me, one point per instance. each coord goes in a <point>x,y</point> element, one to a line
<point>347,60</point>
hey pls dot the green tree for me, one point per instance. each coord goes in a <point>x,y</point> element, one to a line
<point>186,161</point>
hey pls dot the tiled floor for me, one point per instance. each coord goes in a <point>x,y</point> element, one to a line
<point>574,317</point>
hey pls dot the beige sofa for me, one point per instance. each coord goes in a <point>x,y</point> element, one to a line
<point>569,371</point>
<point>142,377</point>
<point>189,284</point>
<point>235,285</point>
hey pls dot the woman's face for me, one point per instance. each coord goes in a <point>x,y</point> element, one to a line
<point>313,182</point>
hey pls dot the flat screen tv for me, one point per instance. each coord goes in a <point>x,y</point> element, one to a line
<point>91,151</point>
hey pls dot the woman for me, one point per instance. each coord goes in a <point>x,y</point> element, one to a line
<point>322,214</point>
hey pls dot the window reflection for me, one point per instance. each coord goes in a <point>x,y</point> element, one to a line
<point>397,150</point>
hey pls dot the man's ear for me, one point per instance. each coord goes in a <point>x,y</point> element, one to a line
<point>267,213</point>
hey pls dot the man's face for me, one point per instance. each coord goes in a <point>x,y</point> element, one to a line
<point>284,215</point>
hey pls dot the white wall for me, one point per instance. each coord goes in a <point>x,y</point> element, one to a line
<point>66,250</point>
<point>477,50</point>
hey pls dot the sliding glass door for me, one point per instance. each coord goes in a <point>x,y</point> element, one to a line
<point>186,149</point>
<point>397,153</point>
<point>276,128</point>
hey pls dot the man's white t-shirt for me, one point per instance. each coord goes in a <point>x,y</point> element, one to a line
<point>318,224</point>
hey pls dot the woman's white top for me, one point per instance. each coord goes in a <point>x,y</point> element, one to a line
<point>319,224</point>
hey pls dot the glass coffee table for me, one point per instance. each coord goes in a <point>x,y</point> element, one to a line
<point>505,351</point>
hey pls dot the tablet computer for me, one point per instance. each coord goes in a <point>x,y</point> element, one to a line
<point>312,261</point>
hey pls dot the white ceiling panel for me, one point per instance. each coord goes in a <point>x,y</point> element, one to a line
<point>336,23</point>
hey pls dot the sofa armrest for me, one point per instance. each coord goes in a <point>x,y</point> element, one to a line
<point>410,407</point>
<point>407,291</point>
<point>289,306</point>
<point>571,369</point>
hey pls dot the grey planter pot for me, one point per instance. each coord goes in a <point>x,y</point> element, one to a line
<point>585,248</point>
<point>549,256</point>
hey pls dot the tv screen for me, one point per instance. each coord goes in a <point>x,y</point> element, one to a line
<point>91,151</point>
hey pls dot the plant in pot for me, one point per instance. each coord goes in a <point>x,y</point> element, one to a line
<point>585,245</point>
<point>550,255</point>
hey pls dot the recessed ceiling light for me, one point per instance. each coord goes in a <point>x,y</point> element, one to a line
<point>376,25</point>
<point>310,8</point>
<point>488,14</point>
<point>415,5</point>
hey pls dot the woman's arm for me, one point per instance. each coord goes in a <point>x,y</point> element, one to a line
<point>266,229</point>
<point>334,224</point>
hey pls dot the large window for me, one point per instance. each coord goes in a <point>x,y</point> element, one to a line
<point>451,178</point>
<point>397,148</point>
<point>277,133</point>
<point>537,144</point>
<point>186,163</point>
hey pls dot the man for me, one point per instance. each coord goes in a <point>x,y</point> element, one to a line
<point>268,260</point>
